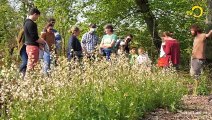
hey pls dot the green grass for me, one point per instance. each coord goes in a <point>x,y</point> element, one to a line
<point>92,91</point>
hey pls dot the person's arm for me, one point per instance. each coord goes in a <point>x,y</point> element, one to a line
<point>114,39</point>
<point>96,40</point>
<point>57,35</point>
<point>83,43</point>
<point>41,41</point>
<point>167,48</point>
<point>209,34</point>
<point>43,36</point>
<point>111,44</point>
<point>41,45</point>
<point>102,43</point>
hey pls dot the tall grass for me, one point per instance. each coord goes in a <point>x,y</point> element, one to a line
<point>97,90</point>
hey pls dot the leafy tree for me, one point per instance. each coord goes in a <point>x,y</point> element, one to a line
<point>65,12</point>
<point>8,22</point>
<point>145,19</point>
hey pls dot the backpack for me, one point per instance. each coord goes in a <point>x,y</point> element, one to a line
<point>20,39</point>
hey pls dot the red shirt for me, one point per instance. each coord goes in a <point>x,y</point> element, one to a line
<point>172,51</point>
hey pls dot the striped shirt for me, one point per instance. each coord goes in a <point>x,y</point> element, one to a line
<point>89,42</point>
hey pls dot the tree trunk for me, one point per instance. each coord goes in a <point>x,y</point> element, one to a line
<point>209,41</point>
<point>209,27</point>
<point>150,20</point>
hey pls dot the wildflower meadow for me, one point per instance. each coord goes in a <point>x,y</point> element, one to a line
<point>89,90</point>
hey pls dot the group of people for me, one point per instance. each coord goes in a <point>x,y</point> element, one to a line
<point>31,45</point>
<point>90,43</point>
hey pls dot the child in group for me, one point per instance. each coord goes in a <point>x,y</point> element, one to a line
<point>143,60</point>
<point>133,56</point>
<point>143,57</point>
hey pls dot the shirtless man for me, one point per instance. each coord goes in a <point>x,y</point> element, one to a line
<point>198,52</point>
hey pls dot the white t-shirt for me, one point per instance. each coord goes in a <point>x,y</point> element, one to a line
<point>162,53</point>
<point>144,58</point>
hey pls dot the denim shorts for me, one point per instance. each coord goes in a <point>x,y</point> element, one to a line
<point>196,66</point>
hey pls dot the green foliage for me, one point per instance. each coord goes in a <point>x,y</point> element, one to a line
<point>170,16</point>
<point>64,11</point>
<point>203,87</point>
<point>124,15</point>
<point>100,91</point>
<point>8,22</point>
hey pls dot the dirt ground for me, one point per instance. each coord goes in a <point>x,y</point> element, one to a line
<point>193,108</point>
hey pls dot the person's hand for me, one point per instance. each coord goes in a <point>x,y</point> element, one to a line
<point>102,46</point>
<point>209,34</point>
<point>41,46</point>
<point>106,46</point>
<point>41,41</point>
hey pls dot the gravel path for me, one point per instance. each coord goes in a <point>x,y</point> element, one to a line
<point>194,108</point>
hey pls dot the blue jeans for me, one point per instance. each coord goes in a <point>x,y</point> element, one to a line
<point>46,62</point>
<point>24,58</point>
<point>107,52</point>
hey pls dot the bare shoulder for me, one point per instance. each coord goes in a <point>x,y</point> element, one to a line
<point>43,34</point>
<point>203,36</point>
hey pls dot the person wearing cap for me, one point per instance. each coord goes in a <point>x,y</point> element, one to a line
<point>108,41</point>
<point>89,41</point>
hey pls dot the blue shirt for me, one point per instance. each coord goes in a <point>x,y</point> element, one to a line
<point>89,41</point>
<point>57,35</point>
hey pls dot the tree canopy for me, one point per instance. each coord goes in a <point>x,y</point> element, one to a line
<point>145,19</point>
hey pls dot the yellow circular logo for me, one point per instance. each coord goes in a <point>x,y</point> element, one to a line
<point>194,14</point>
